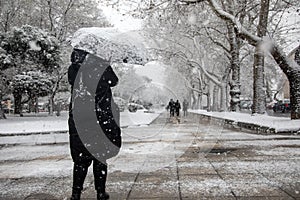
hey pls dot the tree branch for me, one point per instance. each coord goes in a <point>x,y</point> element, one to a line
<point>216,42</point>
<point>191,1</point>
<point>242,32</point>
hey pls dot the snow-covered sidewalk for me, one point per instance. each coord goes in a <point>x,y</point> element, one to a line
<point>42,123</point>
<point>279,124</point>
<point>162,161</point>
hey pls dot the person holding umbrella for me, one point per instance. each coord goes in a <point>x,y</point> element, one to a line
<point>94,120</point>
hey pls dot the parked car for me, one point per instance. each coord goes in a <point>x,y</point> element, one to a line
<point>133,107</point>
<point>282,106</point>
<point>246,104</point>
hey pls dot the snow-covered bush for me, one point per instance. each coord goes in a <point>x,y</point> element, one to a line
<point>23,46</point>
<point>29,57</point>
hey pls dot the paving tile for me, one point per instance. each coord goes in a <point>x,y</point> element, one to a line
<point>196,167</point>
<point>236,167</point>
<point>265,198</point>
<point>118,176</point>
<point>245,185</point>
<point>197,186</point>
<point>157,198</point>
<point>155,179</point>
<point>209,198</point>
<point>163,190</point>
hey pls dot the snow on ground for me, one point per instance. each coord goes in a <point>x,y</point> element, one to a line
<point>42,123</point>
<point>33,124</point>
<point>280,124</point>
<point>164,155</point>
<point>138,118</point>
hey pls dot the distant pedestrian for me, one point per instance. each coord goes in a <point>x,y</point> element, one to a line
<point>177,108</point>
<point>185,106</point>
<point>171,107</point>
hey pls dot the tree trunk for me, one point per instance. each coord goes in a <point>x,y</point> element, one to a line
<point>194,101</point>
<point>235,85</point>
<point>294,80</point>
<point>208,98</point>
<point>223,97</point>
<point>18,103</point>
<point>259,88</point>
<point>36,104</point>
<point>50,105</point>
<point>259,91</point>
<point>2,114</point>
<point>292,71</point>
<point>269,92</point>
<point>208,102</point>
<point>215,106</point>
<point>31,105</point>
<point>58,108</point>
<point>200,101</point>
<point>295,88</point>
<point>197,102</point>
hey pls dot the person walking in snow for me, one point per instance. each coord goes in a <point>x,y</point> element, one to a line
<point>107,114</point>
<point>185,106</point>
<point>171,107</point>
<point>177,108</point>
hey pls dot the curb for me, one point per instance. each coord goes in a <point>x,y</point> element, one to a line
<point>244,126</point>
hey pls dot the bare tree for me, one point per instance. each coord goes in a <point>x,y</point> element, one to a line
<point>290,68</point>
<point>245,32</point>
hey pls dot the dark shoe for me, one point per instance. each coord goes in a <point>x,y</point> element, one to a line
<point>76,195</point>
<point>102,196</point>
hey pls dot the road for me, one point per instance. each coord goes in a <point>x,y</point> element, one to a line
<point>166,160</point>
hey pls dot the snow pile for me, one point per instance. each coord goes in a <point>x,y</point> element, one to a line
<point>280,124</point>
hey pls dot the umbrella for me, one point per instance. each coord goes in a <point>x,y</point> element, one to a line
<point>111,44</point>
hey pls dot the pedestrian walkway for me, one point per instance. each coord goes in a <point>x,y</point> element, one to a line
<point>191,160</point>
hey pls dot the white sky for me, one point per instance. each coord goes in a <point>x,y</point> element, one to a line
<point>122,22</point>
<point>153,70</point>
<point>125,23</point>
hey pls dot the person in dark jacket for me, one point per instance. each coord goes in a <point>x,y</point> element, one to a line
<point>84,66</point>
<point>171,106</point>
<point>177,108</point>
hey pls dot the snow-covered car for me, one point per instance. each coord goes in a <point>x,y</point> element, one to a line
<point>134,107</point>
<point>246,104</point>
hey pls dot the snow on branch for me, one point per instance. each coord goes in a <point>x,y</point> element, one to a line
<point>243,33</point>
<point>191,1</point>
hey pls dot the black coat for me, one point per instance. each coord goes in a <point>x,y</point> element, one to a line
<point>85,137</point>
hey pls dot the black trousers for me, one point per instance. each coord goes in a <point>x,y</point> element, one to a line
<point>82,160</point>
<point>80,170</point>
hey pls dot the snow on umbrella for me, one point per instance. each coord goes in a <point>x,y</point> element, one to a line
<point>111,44</point>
